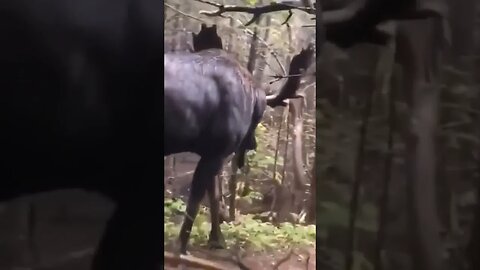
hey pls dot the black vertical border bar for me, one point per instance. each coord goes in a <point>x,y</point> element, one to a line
<point>319,41</point>
<point>163,127</point>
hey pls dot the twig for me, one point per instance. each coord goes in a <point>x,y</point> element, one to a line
<point>255,11</point>
<point>283,259</point>
<point>182,175</point>
<point>307,255</point>
<point>290,14</point>
<point>191,261</point>
<point>279,77</point>
<point>287,137</point>
<point>275,162</point>
<point>307,262</point>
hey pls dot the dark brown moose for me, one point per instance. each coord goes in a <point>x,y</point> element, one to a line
<point>212,107</point>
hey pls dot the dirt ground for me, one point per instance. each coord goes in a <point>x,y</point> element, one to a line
<point>297,259</point>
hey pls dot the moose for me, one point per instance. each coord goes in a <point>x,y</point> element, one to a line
<point>212,107</point>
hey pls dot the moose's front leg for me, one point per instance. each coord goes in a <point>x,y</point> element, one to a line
<point>203,178</point>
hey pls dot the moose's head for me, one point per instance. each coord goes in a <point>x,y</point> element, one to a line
<point>207,38</point>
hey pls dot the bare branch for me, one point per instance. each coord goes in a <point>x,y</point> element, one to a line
<point>255,11</point>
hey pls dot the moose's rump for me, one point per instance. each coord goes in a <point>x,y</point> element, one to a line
<point>208,105</point>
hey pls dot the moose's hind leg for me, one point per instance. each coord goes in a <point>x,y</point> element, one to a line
<point>216,240</point>
<point>204,176</point>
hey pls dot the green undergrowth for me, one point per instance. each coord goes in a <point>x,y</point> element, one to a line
<point>246,232</point>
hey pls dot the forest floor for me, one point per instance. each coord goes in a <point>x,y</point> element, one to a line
<point>296,259</point>
<point>296,256</point>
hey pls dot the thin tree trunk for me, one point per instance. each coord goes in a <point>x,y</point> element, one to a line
<point>419,48</point>
<point>357,181</point>
<point>385,197</point>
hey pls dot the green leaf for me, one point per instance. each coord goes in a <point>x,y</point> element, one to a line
<point>251,2</point>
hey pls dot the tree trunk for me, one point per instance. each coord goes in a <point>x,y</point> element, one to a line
<point>418,53</point>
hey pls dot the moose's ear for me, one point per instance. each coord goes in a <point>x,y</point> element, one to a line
<point>203,26</point>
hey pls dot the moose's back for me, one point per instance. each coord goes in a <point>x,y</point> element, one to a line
<point>209,102</point>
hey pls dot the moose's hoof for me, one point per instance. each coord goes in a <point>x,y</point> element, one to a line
<point>181,248</point>
<point>184,252</point>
